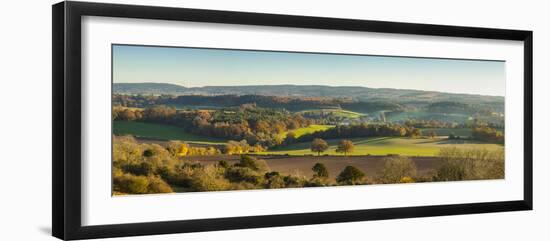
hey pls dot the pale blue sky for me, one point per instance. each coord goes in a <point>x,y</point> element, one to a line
<point>196,67</point>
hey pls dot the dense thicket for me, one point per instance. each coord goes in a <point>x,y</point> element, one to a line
<point>487,134</point>
<point>473,164</point>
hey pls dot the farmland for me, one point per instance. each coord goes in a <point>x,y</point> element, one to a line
<point>160,132</point>
<point>163,132</point>
<point>363,146</point>
<point>309,129</point>
<point>301,165</point>
<point>215,142</point>
<point>464,132</point>
<point>386,146</point>
<point>335,112</point>
<point>449,117</point>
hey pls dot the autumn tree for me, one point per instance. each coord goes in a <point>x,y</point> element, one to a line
<point>345,146</point>
<point>319,145</point>
<point>236,147</point>
<point>415,132</point>
<point>128,115</point>
<point>487,134</point>
<point>159,113</point>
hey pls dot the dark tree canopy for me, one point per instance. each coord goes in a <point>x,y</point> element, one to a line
<point>320,171</point>
<point>350,176</point>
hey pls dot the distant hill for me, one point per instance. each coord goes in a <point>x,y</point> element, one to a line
<point>355,92</point>
<point>148,88</point>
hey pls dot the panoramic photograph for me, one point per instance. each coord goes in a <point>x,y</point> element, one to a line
<point>202,119</point>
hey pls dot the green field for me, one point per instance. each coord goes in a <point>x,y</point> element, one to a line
<point>387,145</point>
<point>463,132</point>
<point>422,115</point>
<point>335,112</point>
<point>363,146</point>
<point>309,129</point>
<point>160,132</point>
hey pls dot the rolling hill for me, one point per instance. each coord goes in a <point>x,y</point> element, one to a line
<point>356,92</point>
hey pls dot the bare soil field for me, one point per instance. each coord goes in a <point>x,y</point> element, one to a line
<point>371,165</point>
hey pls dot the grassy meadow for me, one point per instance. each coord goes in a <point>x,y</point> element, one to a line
<point>160,132</point>
<point>362,146</point>
<point>464,132</point>
<point>308,130</point>
<point>386,146</point>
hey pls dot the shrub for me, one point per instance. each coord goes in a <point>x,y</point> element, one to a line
<point>396,168</point>
<point>274,180</point>
<point>209,178</point>
<point>158,156</point>
<point>223,163</point>
<point>179,176</point>
<point>271,174</point>
<point>141,169</point>
<point>315,182</point>
<point>350,176</point>
<point>132,184</point>
<point>406,180</point>
<point>126,151</point>
<point>234,147</point>
<point>252,163</point>
<point>293,181</point>
<point>243,174</point>
<point>177,148</point>
<point>471,164</point>
<point>148,153</point>
<point>128,183</point>
<point>157,185</point>
<point>451,170</point>
<point>320,171</point>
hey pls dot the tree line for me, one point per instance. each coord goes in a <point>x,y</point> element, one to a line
<point>291,103</point>
<point>488,134</point>
<point>362,130</point>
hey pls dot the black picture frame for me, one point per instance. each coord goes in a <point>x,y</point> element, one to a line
<point>66,75</point>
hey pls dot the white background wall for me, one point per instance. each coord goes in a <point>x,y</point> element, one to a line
<point>25,122</point>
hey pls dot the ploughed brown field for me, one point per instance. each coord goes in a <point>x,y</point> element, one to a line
<point>371,165</point>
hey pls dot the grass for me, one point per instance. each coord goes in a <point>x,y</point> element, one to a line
<point>160,132</point>
<point>422,115</point>
<point>310,129</point>
<point>464,132</point>
<point>363,146</point>
<point>386,145</point>
<point>336,112</point>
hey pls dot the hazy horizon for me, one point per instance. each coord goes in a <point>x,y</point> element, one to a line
<point>343,86</point>
<point>220,67</point>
